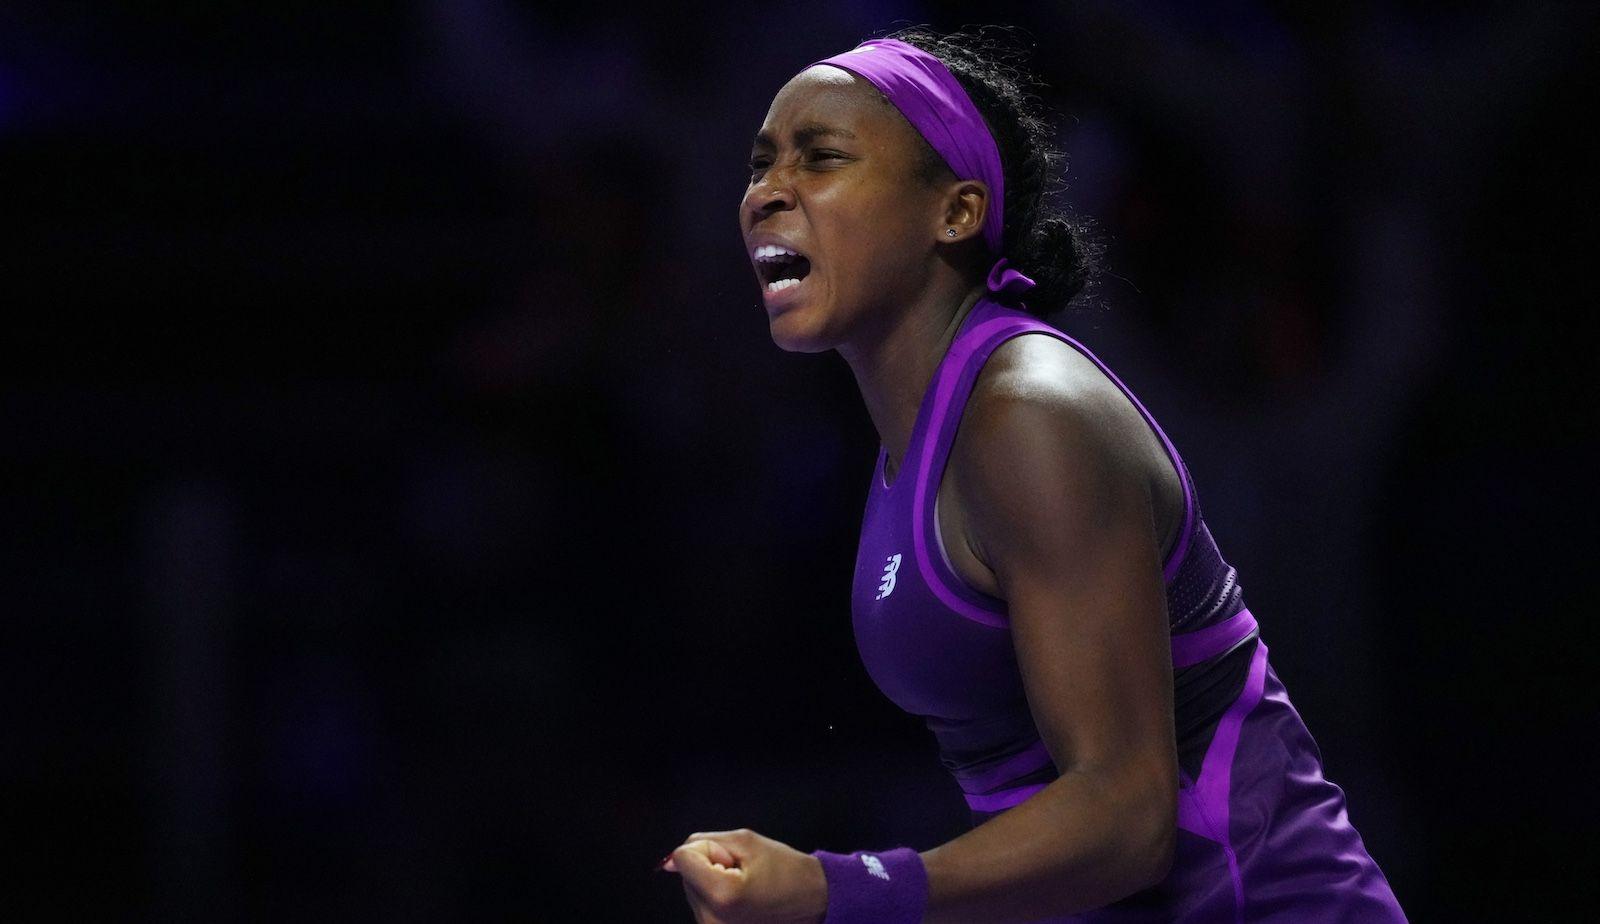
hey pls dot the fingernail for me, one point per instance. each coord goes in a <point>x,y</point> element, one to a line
<point>661,864</point>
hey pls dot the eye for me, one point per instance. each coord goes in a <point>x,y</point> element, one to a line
<point>822,154</point>
<point>758,163</point>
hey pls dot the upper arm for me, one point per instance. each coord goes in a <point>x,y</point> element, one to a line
<point>1057,502</point>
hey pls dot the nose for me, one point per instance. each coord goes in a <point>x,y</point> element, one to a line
<point>771,194</point>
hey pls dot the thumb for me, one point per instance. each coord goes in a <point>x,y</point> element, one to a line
<point>704,862</point>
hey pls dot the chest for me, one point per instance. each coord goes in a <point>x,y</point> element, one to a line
<point>952,539</point>
<point>928,645</point>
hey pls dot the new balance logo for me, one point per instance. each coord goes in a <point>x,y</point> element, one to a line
<point>887,587</point>
<point>875,865</point>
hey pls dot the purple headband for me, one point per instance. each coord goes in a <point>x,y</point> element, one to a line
<point>936,105</point>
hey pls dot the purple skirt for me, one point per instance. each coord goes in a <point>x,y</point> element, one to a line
<point>1262,835</point>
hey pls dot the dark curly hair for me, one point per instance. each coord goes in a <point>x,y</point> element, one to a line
<point>1053,246</point>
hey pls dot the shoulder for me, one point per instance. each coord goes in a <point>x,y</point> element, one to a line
<point>1049,455</point>
<point>1037,393</point>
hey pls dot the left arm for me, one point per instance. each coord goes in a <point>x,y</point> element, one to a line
<point>1060,509</point>
<point>1059,506</point>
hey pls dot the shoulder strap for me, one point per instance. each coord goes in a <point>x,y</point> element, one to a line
<point>953,387</point>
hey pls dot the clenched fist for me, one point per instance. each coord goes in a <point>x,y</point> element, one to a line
<point>741,877</point>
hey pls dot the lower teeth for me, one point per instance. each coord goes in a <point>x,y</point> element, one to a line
<point>781,284</point>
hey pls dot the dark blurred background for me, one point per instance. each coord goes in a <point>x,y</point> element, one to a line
<point>407,515</point>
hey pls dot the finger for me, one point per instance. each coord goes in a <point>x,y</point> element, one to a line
<point>721,854</point>
<point>707,867</point>
<point>736,836</point>
<point>702,835</point>
<point>705,854</point>
<point>726,852</point>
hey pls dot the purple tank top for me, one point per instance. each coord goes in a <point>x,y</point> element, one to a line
<point>941,649</point>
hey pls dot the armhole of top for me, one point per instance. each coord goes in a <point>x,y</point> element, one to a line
<point>942,578</point>
<point>1180,549</point>
<point>954,388</point>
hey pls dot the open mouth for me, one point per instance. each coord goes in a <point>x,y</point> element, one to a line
<point>780,268</point>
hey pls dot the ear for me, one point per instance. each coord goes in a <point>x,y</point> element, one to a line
<point>966,204</point>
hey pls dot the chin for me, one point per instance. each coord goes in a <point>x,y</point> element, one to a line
<point>792,336</point>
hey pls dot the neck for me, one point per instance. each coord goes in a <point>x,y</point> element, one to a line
<point>894,365</point>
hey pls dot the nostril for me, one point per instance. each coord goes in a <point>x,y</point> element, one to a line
<point>772,198</point>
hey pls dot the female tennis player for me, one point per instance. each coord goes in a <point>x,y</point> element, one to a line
<point>1034,577</point>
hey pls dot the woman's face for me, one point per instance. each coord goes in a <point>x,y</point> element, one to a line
<point>835,178</point>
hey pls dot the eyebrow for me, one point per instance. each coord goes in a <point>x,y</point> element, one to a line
<point>804,134</point>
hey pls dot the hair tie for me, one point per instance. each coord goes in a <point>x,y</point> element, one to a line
<point>1004,280</point>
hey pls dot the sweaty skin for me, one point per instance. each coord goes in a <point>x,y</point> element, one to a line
<point>1052,358</point>
<point>1057,497</point>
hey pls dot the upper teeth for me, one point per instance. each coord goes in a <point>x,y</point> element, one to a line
<point>772,252</point>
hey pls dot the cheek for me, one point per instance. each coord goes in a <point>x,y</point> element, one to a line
<point>867,237</point>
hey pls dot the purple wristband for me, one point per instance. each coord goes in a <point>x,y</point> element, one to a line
<point>867,887</point>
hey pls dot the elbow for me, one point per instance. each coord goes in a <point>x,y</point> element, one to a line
<point>1158,840</point>
<point>1160,845</point>
<point>1138,853</point>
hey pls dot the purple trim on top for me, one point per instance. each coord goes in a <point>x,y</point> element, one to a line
<point>967,343</point>
<point>953,373</point>
<point>1027,323</point>
<point>1190,648</point>
<point>1203,808</point>
<point>1175,559</point>
<point>956,582</point>
<point>1022,763</point>
<point>1000,801</point>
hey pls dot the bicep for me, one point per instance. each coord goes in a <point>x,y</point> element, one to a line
<point>1060,509</point>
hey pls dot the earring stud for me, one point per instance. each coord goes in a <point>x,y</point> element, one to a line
<point>949,232</point>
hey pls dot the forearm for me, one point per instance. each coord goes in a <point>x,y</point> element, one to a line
<point>1082,842</point>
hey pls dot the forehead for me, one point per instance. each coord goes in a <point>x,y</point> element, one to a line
<point>825,96</point>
